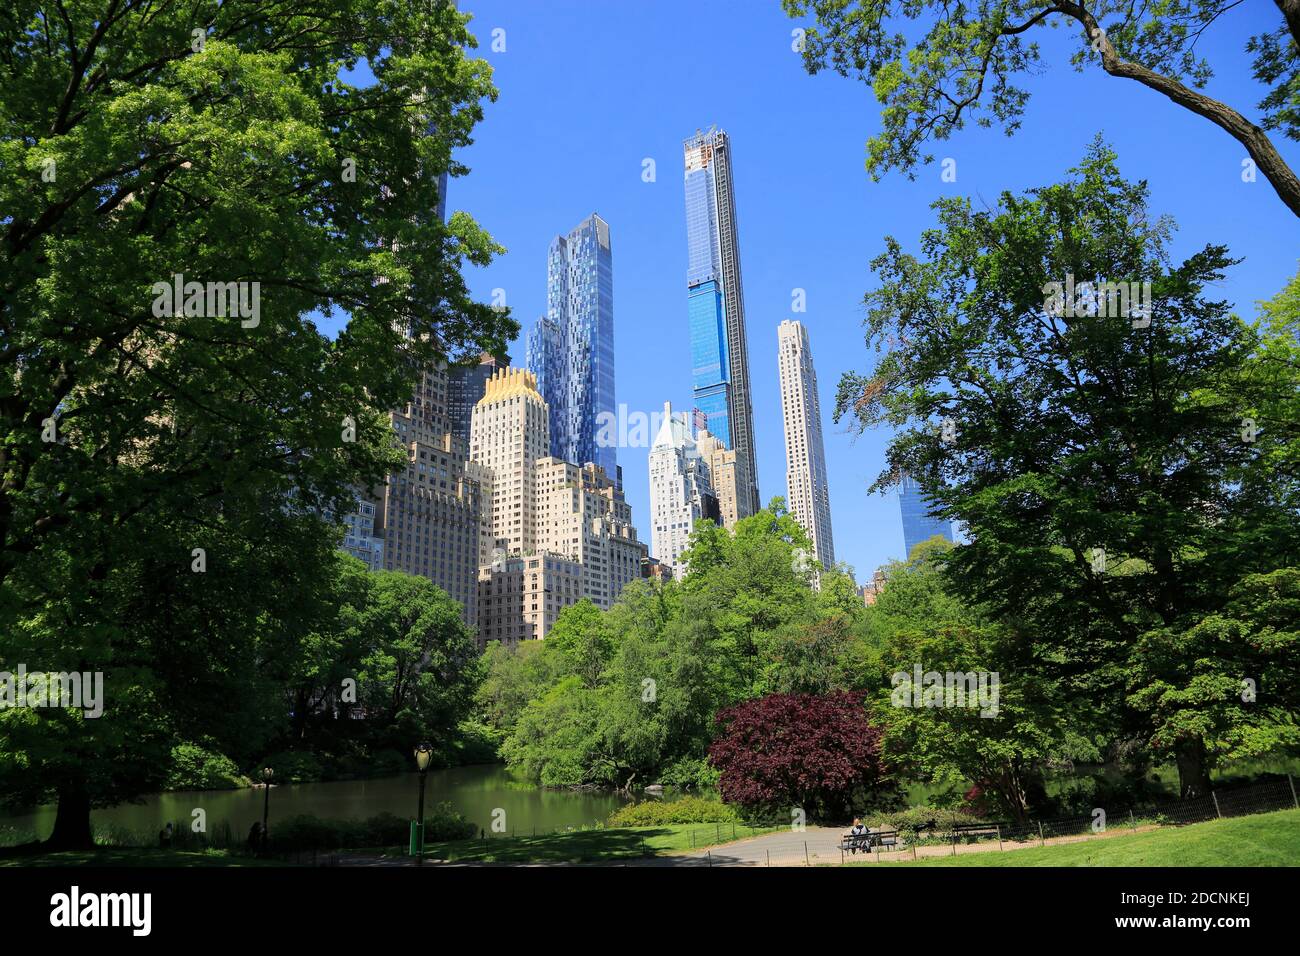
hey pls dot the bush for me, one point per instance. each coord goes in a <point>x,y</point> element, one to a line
<point>920,819</point>
<point>690,773</point>
<point>815,752</point>
<point>312,833</point>
<point>293,766</point>
<point>195,768</point>
<point>652,813</point>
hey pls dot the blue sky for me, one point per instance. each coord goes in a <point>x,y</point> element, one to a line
<point>591,88</point>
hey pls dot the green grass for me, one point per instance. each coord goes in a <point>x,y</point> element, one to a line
<point>1265,839</point>
<point>591,846</point>
<point>130,856</point>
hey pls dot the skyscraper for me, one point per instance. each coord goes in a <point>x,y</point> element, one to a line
<point>918,525</point>
<point>571,349</point>
<point>583,516</point>
<point>466,384</point>
<point>680,490</point>
<point>508,435</point>
<point>561,532</point>
<point>431,514</point>
<point>721,461</point>
<point>805,456</point>
<point>716,307</point>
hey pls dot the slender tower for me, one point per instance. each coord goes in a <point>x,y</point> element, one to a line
<point>716,306</point>
<point>805,455</point>
<point>571,349</point>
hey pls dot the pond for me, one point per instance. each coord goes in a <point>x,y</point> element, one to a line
<point>474,792</point>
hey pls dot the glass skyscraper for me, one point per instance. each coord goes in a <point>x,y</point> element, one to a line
<point>466,384</point>
<point>571,349</point>
<point>918,525</point>
<point>715,305</point>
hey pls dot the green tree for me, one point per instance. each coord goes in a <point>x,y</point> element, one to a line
<point>421,668</point>
<point>1096,458</point>
<point>933,66</point>
<point>1228,682</point>
<point>513,675</point>
<point>164,467</point>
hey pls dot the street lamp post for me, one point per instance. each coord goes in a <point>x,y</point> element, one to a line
<point>267,774</point>
<point>423,755</point>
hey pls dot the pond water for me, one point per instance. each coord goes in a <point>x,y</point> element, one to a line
<point>474,792</point>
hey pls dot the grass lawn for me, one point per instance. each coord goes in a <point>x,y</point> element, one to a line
<point>131,856</point>
<point>1265,839</point>
<point>591,846</point>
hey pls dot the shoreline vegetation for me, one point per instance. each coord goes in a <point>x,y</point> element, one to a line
<point>1267,839</point>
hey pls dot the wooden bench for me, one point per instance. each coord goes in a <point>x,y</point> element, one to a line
<point>976,830</point>
<point>882,839</point>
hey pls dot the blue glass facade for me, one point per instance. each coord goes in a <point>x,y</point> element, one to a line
<point>715,305</point>
<point>571,349</point>
<point>918,525</point>
<point>709,360</point>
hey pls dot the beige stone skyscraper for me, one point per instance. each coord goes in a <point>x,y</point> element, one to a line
<point>723,477</point>
<point>582,514</point>
<point>561,532</point>
<point>805,456</point>
<point>430,515</point>
<point>508,434</point>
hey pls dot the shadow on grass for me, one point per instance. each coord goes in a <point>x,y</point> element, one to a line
<point>34,854</point>
<point>578,846</point>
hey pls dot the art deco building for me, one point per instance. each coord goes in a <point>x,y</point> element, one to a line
<point>680,490</point>
<point>721,462</point>
<point>520,597</point>
<point>430,514</point>
<point>582,514</point>
<point>805,456</point>
<point>509,433</point>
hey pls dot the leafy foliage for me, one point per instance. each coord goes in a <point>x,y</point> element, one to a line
<point>786,752</point>
<point>934,66</point>
<point>1102,467</point>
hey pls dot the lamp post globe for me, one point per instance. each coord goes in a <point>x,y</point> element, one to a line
<point>423,757</point>
<point>267,774</point>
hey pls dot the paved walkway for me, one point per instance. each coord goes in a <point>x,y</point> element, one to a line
<point>815,846</point>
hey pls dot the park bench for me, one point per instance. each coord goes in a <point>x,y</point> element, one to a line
<point>974,830</point>
<point>884,839</point>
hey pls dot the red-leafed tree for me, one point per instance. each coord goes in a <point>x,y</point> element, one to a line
<point>813,752</point>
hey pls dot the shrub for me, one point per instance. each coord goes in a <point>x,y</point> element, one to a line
<point>690,773</point>
<point>920,819</point>
<point>196,768</point>
<point>293,766</point>
<point>312,833</point>
<point>660,813</point>
<point>815,752</point>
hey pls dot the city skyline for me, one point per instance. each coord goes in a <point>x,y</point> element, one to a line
<point>813,219</point>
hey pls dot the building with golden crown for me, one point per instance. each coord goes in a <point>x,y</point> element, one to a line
<point>559,531</point>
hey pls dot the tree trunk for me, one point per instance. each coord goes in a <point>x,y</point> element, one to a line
<point>1193,773</point>
<point>72,822</point>
<point>1261,149</point>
